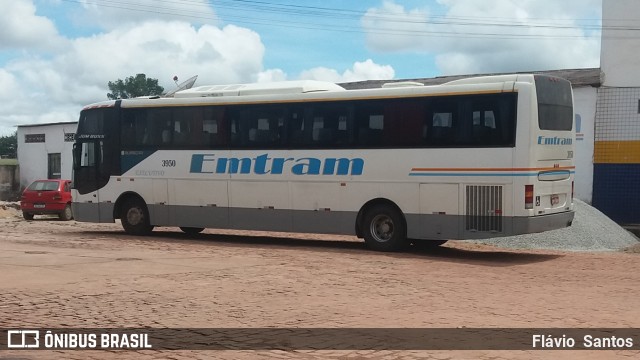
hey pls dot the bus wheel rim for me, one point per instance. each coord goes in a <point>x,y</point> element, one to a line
<point>382,228</point>
<point>134,216</point>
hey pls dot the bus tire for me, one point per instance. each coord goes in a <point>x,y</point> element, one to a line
<point>191,230</point>
<point>383,228</point>
<point>27,216</point>
<point>66,214</point>
<point>135,217</point>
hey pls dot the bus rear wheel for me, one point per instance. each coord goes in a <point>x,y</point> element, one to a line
<point>191,230</point>
<point>383,228</point>
<point>135,217</point>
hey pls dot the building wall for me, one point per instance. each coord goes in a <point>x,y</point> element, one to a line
<point>33,156</point>
<point>616,157</point>
<point>585,109</point>
<point>9,181</point>
<point>620,44</point>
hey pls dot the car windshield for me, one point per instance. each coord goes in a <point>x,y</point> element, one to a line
<point>44,186</point>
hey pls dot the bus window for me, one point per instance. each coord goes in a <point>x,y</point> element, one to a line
<point>153,127</point>
<point>259,127</point>
<point>325,125</point>
<point>135,129</point>
<point>489,121</point>
<point>128,129</point>
<point>440,123</point>
<point>213,127</point>
<point>404,123</point>
<point>183,130</point>
<point>371,124</point>
<point>555,104</point>
<point>297,133</point>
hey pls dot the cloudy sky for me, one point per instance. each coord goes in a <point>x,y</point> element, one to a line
<point>58,55</point>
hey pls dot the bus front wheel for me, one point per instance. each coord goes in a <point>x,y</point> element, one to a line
<point>135,217</point>
<point>383,228</point>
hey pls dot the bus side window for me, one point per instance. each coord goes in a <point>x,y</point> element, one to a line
<point>329,125</point>
<point>214,133</point>
<point>184,131</point>
<point>142,130</point>
<point>128,129</point>
<point>441,128</point>
<point>491,120</point>
<point>404,123</point>
<point>371,124</point>
<point>159,127</point>
<point>297,133</point>
<point>260,127</point>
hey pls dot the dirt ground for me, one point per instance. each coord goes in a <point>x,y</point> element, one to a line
<point>71,274</point>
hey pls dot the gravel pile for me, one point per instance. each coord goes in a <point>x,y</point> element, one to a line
<point>591,231</point>
<point>9,209</point>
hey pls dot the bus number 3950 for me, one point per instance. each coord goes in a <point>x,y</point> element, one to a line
<point>168,163</point>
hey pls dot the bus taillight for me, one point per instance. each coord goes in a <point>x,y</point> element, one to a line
<point>528,196</point>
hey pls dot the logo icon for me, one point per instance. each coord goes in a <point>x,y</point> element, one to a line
<point>23,339</point>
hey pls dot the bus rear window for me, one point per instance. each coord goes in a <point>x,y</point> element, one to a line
<point>555,103</point>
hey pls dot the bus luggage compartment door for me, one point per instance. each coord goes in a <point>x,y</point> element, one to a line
<point>439,211</point>
<point>159,209</point>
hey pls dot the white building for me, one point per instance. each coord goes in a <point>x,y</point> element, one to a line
<point>44,151</point>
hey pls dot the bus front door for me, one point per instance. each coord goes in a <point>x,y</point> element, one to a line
<point>89,175</point>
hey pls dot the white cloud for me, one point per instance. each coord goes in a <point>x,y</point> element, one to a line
<point>22,28</point>
<point>55,89</point>
<point>389,28</point>
<point>39,86</point>
<point>37,90</point>
<point>162,50</point>
<point>366,70</point>
<point>464,42</point>
<point>271,75</point>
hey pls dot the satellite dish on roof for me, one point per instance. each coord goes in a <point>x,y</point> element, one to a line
<point>182,86</point>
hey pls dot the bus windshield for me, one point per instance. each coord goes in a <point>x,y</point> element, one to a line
<point>555,103</point>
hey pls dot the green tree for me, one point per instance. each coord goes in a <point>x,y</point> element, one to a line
<point>9,146</point>
<point>134,86</point>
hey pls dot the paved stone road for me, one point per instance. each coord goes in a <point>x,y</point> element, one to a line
<point>69,274</point>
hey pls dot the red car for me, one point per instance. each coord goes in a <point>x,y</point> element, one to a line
<point>47,197</point>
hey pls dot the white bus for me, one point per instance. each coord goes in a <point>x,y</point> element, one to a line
<point>475,158</point>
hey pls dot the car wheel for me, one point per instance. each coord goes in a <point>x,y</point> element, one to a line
<point>135,217</point>
<point>66,214</point>
<point>27,216</point>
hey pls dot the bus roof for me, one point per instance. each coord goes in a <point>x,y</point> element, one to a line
<point>281,87</point>
<point>309,90</point>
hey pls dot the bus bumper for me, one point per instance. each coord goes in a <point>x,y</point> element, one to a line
<point>540,223</point>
